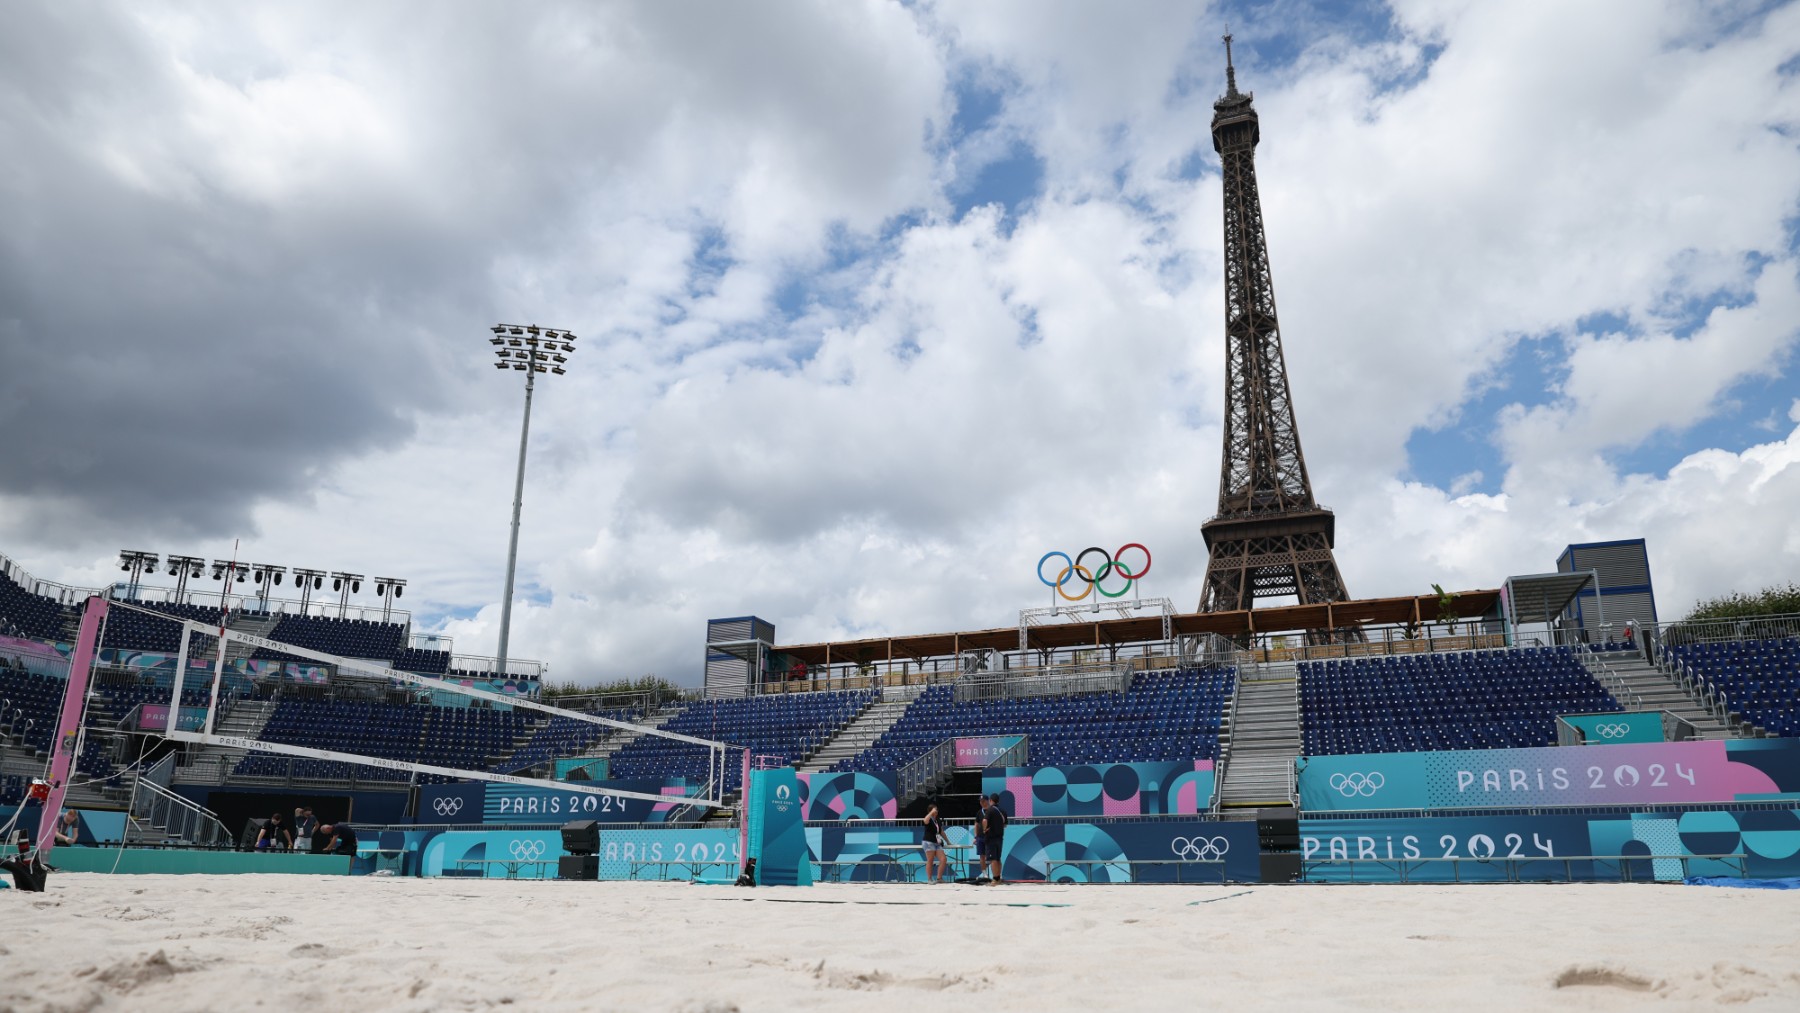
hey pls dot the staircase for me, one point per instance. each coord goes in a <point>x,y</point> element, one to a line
<point>256,626</point>
<point>211,763</point>
<point>858,735</point>
<point>1260,739</point>
<point>1656,691</point>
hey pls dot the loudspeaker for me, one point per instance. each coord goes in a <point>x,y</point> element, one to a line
<point>1280,867</point>
<point>252,827</point>
<point>581,837</point>
<point>578,867</point>
<point>1278,829</point>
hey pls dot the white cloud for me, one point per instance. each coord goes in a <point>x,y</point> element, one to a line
<point>965,394</point>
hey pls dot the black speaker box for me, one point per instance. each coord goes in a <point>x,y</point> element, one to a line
<point>1280,867</point>
<point>1278,829</point>
<point>578,867</point>
<point>581,837</point>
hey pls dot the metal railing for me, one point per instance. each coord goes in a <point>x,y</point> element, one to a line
<point>1056,680</point>
<point>1607,677</point>
<point>176,816</point>
<point>1714,630</point>
<point>924,773</point>
<point>1016,755</point>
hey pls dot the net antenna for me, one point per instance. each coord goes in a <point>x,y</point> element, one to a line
<point>718,752</point>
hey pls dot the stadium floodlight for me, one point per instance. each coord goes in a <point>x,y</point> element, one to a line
<point>536,346</point>
<point>265,575</point>
<point>308,581</point>
<point>183,569</point>
<point>137,564</point>
<point>345,584</point>
<point>388,588</point>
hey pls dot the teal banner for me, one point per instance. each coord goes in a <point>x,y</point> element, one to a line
<point>582,768</point>
<point>706,855</point>
<point>777,832</point>
<point>1616,729</point>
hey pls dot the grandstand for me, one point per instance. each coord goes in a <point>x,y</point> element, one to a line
<point>1467,700</point>
<point>1757,680</point>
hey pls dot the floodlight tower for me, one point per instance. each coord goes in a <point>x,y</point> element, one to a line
<point>344,583</point>
<point>308,580</point>
<point>265,575</point>
<point>183,569</point>
<point>388,588</point>
<point>137,564</point>
<point>530,350</point>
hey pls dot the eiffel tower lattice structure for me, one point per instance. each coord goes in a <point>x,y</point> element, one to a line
<point>1270,538</point>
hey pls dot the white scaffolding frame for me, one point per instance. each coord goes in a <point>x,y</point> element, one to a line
<point>717,751</point>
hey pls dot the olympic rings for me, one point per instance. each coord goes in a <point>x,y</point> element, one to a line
<point>527,850</point>
<point>1075,569</point>
<point>1357,783</point>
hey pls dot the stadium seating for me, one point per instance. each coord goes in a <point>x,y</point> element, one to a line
<point>1465,700</point>
<point>1759,678</point>
<point>131,630</point>
<point>785,726</point>
<point>1163,716</point>
<point>558,737</point>
<point>349,638</point>
<point>23,614</point>
<point>462,737</point>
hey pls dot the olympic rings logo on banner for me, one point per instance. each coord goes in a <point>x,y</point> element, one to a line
<point>1076,570</point>
<point>527,851</point>
<point>447,806</point>
<point>1611,731</point>
<point>1199,848</point>
<point>1351,785</point>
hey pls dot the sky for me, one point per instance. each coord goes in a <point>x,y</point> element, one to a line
<point>878,302</point>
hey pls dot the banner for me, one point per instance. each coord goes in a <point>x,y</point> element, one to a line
<point>849,795</point>
<point>1617,729</point>
<point>491,854</point>
<point>979,751</point>
<point>1659,773</point>
<point>154,717</point>
<point>1147,851</point>
<point>581,768</point>
<point>777,834</point>
<point>493,804</point>
<point>684,855</point>
<point>1552,846</point>
<point>1102,789</point>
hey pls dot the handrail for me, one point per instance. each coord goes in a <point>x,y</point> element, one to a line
<point>179,816</point>
<point>925,771</point>
<point>1614,682</point>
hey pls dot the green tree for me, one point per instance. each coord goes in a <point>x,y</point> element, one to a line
<point>1775,600</point>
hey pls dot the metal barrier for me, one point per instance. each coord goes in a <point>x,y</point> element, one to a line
<point>1512,866</point>
<point>177,816</point>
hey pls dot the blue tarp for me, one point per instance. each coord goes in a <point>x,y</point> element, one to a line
<point>1791,883</point>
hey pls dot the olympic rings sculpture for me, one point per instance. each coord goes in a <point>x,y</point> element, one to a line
<point>1076,570</point>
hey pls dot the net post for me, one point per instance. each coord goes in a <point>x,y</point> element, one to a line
<point>212,709</point>
<point>69,722</point>
<point>181,664</point>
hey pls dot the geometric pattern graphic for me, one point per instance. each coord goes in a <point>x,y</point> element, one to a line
<point>1102,789</point>
<point>849,795</point>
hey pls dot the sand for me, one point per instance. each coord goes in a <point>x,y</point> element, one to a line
<point>234,942</point>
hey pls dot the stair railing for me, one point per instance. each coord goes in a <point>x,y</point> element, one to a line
<point>178,817</point>
<point>1605,676</point>
<point>915,778</point>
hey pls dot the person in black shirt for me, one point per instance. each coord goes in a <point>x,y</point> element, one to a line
<point>993,830</point>
<point>931,842</point>
<point>276,834</point>
<point>336,839</point>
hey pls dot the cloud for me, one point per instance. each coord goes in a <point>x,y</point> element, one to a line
<point>251,254</point>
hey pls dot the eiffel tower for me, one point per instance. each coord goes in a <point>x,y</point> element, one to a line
<point>1270,538</point>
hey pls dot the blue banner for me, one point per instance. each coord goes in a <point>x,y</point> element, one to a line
<point>489,803</point>
<point>686,855</point>
<point>1146,851</point>
<point>492,854</point>
<point>1617,729</point>
<point>1639,774</point>
<point>849,795</point>
<point>1639,846</point>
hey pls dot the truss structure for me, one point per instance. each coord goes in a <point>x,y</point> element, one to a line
<point>1086,610</point>
<point>712,797</point>
<point>1270,538</point>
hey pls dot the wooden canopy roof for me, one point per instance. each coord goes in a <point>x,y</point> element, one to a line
<point>1147,629</point>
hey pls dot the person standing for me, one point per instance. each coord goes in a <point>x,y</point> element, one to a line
<point>304,824</point>
<point>931,842</point>
<point>993,833</point>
